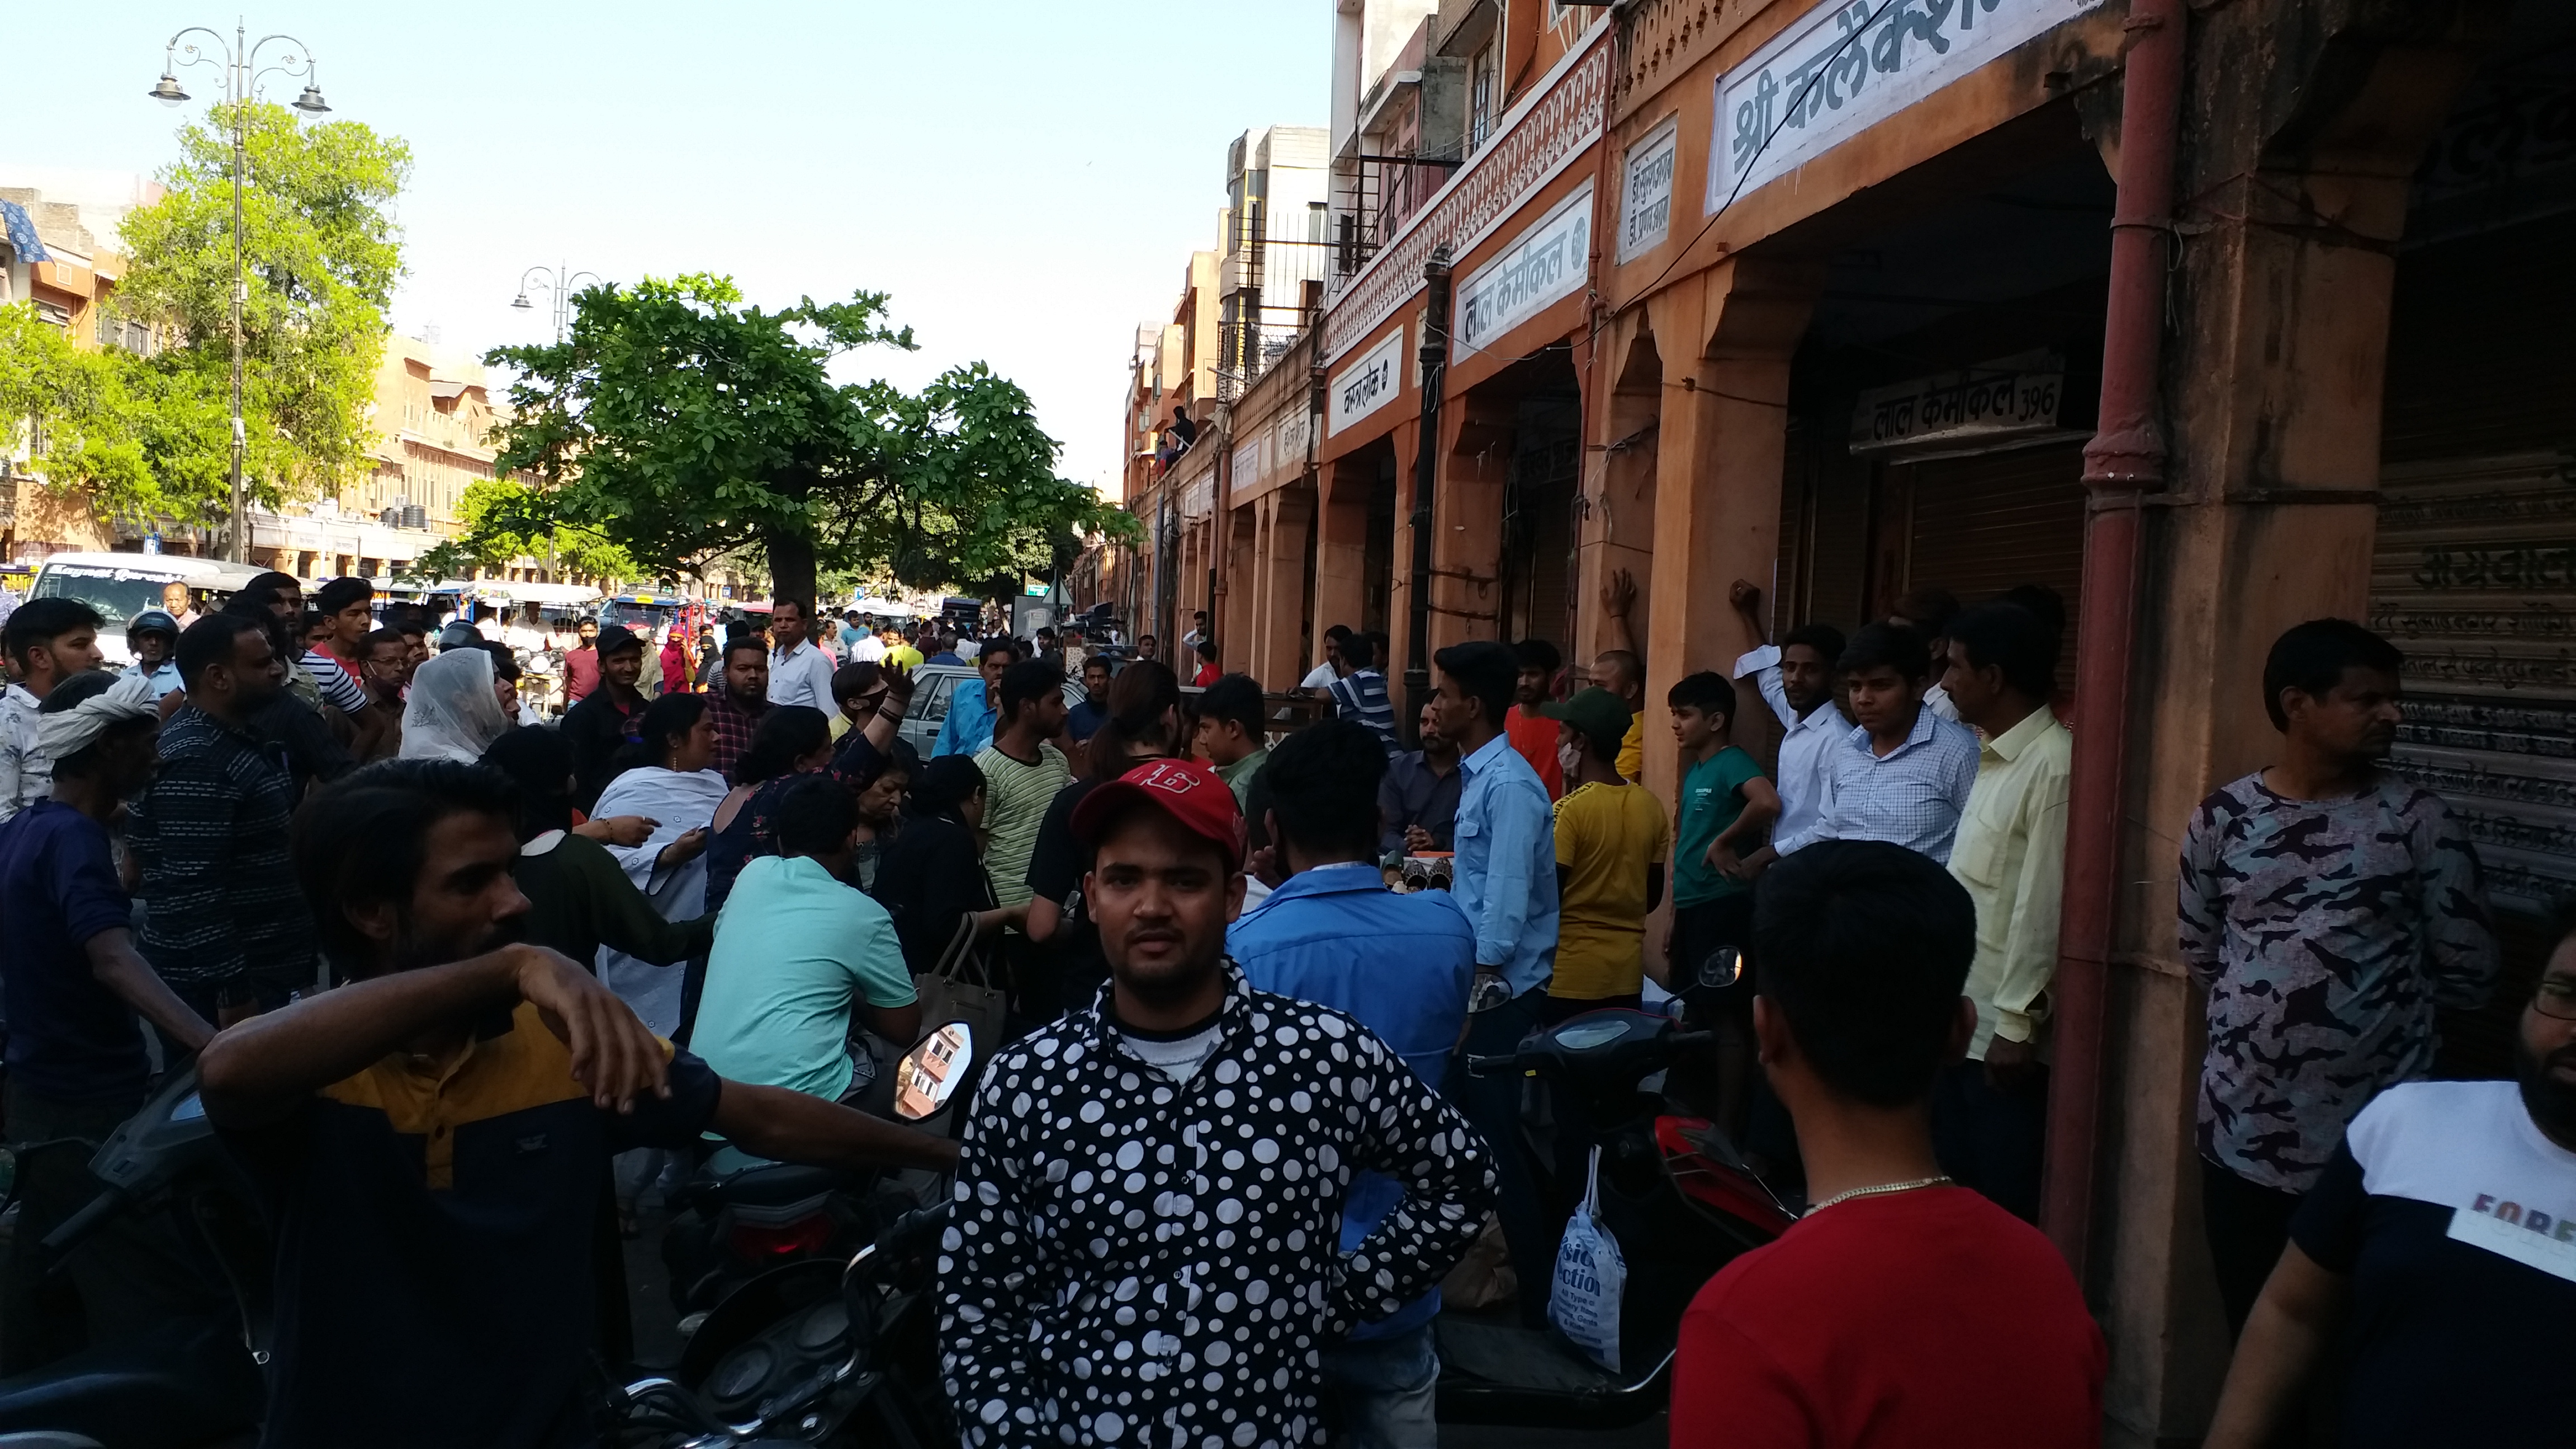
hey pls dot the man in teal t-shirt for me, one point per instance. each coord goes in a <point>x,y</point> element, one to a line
<point>1726,806</point>
<point>798,954</point>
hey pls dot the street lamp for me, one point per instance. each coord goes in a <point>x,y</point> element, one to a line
<point>242,72</point>
<point>559,290</point>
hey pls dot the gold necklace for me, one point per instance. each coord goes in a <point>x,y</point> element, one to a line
<point>1882,1190</point>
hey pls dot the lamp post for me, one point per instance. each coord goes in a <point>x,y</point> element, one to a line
<point>558,288</point>
<point>240,64</point>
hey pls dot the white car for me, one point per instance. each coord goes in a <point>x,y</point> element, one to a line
<point>122,585</point>
<point>934,683</point>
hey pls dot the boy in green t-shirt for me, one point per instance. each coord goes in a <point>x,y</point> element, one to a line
<point>1726,806</point>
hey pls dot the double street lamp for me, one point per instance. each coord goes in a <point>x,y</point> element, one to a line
<point>559,293</point>
<point>242,74</point>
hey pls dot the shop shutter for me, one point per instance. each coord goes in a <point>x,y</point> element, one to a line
<point>1984,524</point>
<point>2474,576</point>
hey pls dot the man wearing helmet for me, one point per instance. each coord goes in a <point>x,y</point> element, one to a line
<point>152,636</point>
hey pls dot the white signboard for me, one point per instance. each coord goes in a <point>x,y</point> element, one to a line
<point>1198,497</point>
<point>1291,438</point>
<point>1998,400</point>
<point>1848,66</point>
<point>1370,383</point>
<point>1646,200</point>
<point>1247,464</point>
<point>1548,262</point>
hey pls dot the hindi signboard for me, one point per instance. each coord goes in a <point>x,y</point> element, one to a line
<point>1547,263</point>
<point>1846,67</point>
<point>1370,383</point>
<point>1646,195</point>
<point>1980,404</point>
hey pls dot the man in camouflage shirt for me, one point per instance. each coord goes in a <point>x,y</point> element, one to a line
<point>2329,907</point>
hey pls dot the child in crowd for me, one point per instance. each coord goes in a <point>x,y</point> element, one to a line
<point>1726,805</point>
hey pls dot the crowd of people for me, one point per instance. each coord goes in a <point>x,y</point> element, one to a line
<point>1216,1170</point>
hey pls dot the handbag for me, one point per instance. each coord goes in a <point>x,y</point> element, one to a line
<point>961,988</point>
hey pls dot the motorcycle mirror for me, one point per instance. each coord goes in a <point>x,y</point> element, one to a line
<point>929,1074</point>
<point>1721,967</point>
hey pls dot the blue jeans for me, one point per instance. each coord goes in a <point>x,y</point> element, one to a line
<point>1493,1104</point>
<point>1382,1390</point>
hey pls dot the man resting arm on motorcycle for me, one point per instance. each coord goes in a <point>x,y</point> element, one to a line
<point>433,1140</point>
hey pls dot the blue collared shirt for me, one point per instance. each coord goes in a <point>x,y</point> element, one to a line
<point>969,726</point>
<point>1402,964</point>
<point>1505,871</point>
<point>1910,796</point>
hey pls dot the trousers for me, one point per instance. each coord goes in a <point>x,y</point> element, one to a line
<point>1383,1391</point>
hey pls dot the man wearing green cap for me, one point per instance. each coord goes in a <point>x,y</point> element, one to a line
<point>1610,842</point>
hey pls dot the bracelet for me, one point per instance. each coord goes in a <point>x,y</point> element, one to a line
<point>889,714</point>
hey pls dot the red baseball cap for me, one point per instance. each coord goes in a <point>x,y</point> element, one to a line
<point>1187,790</point>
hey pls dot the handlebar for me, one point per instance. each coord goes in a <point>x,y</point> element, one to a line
<point>1485,1066</point>
<point>77,1228</point>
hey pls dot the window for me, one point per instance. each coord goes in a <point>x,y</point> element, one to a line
<point>1315,222</point>
<point>1482,77</point>
<point>53,314</point>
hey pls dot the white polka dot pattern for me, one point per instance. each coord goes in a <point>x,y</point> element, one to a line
<point>1134,1262</point>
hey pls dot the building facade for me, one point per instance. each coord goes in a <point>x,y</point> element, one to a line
<point>1834,299</point>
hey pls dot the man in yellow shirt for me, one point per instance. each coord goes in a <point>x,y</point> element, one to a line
<point>1990,1112</point>
<point>1610,845</point>
<point>899,653</point>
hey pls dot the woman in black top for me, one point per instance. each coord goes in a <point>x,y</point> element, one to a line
<point>791,741</point>
<point>578,898</point>
<point>1143,723</point>
<point>932,875</point>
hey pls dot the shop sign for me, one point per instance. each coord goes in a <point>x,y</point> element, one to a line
<point>1847,67</point>
<point>1646,200</point>
<point>1198,500</point>
<point>1372,382</point>
<point>1547,263</point>
<point>1247,464</point>
<point>1981,404</point>
<point>1291,438</point>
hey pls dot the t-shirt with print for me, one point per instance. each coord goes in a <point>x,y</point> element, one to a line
<point>2454,1219</point>
<point>1606,838</point>
<point>1016,796</point>
<point>70,1037</point>
<point>795,952</point>
<point>1712,798</point>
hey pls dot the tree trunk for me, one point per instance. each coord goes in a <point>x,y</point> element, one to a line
<point>791,565</point>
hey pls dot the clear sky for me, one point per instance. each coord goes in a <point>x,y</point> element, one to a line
<point>1026,179</point>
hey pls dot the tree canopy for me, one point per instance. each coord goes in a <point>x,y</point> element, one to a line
<point>684,426</point>
<point>150,437</point>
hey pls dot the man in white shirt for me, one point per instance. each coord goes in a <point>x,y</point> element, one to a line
<point>1321,677</point>
<point>1796,677</point>
<point>799,673</point>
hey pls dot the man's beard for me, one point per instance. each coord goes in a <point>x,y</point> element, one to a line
<point>412,950</point>
<point>2550,1101</point>
<point>1161,985</point>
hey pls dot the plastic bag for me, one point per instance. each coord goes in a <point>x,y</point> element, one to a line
<point>1591,1277</point>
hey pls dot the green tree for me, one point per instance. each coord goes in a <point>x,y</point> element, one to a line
<point>150,437</point>
<point>687,427</point>
<point>505,519</point>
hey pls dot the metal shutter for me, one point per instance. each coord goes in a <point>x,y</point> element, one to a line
<point>1985,524</point>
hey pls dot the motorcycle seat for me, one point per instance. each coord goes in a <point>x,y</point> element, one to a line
<point>777,1184</point>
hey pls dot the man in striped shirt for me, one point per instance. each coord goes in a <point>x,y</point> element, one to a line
<point>1360,696</point>
<point>334,660</point>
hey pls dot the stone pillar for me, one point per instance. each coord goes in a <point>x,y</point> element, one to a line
<point>2298,173</point>
<point>1724,341</point>
<point>1619,482</point>
<point>1399,594</point>
<point>1232,614</point>
<point>1279,609</point>
<point>1476,435</point>
<point>1341,545</point>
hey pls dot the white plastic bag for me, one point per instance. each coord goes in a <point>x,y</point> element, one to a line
<point>1591,1277</point>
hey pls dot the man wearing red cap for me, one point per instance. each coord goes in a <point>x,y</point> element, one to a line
<point>1149,1192</point>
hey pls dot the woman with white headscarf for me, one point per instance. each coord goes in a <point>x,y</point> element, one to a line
<point>454,711</point>
<point>670,782</point>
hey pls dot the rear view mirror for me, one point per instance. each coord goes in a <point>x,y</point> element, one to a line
<point>1721,968</point>
<point>931,1072</point>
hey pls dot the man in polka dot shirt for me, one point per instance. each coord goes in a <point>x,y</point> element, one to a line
<point>1146,1248</point>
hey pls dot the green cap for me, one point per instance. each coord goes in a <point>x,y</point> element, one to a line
<point>1595,713</point>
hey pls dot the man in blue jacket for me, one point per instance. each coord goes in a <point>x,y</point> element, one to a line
<point>1333,934</point>
<point>973,706</point>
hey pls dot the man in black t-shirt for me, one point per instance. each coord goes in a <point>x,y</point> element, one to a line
<point>2439,1248</point>
<point>431,1140</point>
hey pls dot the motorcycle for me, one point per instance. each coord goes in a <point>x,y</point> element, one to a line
<point>739,1217</point>
<point>196,1380</point>
<point>821,1349</point>
<point>1673,1192</point>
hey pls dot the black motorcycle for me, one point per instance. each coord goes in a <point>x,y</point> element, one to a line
<point>197,1380</point>
<point>824,1349</point>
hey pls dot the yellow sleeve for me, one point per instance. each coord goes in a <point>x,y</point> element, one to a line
<point>1632,751</point>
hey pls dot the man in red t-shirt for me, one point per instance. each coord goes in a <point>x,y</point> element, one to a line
<point>1531,733</point>
<point>1902,1309</point>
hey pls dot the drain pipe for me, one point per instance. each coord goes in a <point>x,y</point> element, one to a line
<point>1426,472</point>
<point>2124,462</point>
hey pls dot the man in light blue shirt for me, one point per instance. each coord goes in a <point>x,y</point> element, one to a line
<point>1903,773</point>
<point>1505,880</point>
<point>1333,934</point>
<point>797,953</point>
<point>971,712</point>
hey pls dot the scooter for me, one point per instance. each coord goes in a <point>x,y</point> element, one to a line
<point>1674,1193</point>
<point>197,1380</point>
<point>822,1350</point>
